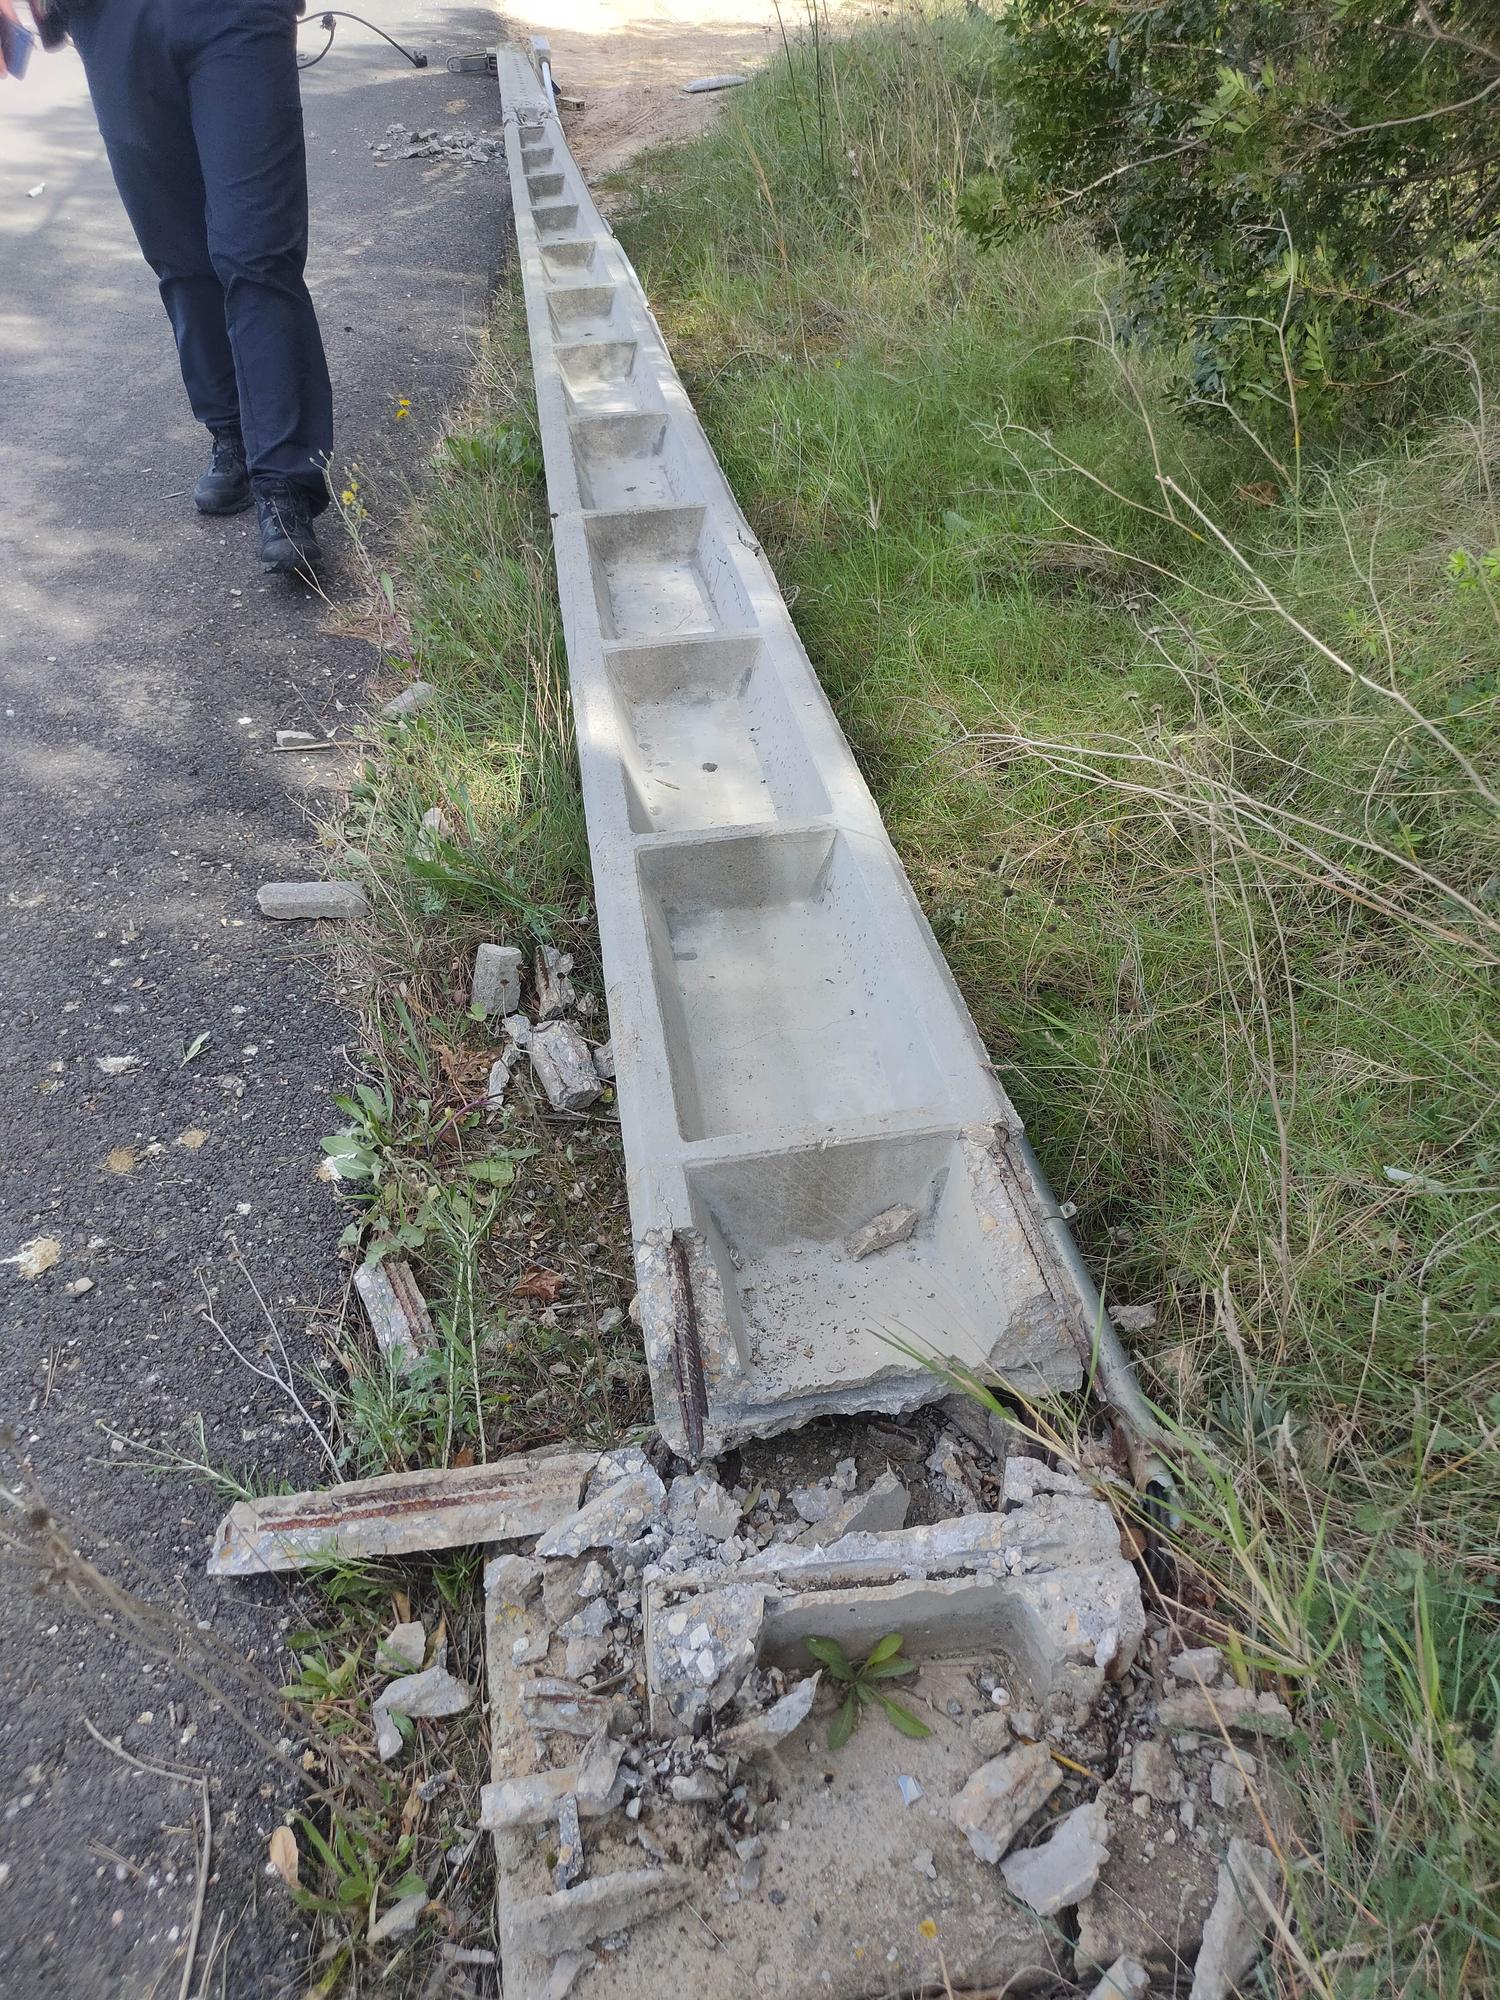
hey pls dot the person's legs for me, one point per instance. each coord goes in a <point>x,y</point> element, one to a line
<point>245,103</point>
<point>141,104</point>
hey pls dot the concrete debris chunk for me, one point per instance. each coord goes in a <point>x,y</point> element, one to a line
<point>399,1919</point>
<point>612,1519</point>
<point>760,1732</point>
<point>433,833</point>
<point>1064,1868</point>
<point>1024,1478</point>
<point>697,1504</point>
<point>1154,1773</point>
<point>544,1926</point>
<point>554,986</point>
<point>434,1692</point>
<point>1126,1979</point>
<point>699,1653</point>
<point>991,1735</point>
<point>604,1060</point>
<point>1202,1666</point>
<point>411,701</point>
<point>565,1708</point>
<point>882,1232</point>
<point>569,1864</point>
<point>496,985</point>
<point>308,902</point>
<point>1239,1710</point>
<point>1001,1796</point>
<point>518,1027</point>
<point>407,1644</point>
<point>531,1801</point>
<point>1236,1929</point>
<point>497,1084</point>
<point>1226,1786</point>
<point>401,1512</point>
<point>705,83</point>
<point>396,1310</point>
<point>874,1512</point>
<point>564,1066</point>
<point>950,1475</point>
<point>510,1582</point>
<point>1133,1319</point>
<point>565,1971</point>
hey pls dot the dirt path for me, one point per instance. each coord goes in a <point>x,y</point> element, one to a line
<point>630,58</point>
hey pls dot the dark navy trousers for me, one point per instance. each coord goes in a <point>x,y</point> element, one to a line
<point>199,105</point>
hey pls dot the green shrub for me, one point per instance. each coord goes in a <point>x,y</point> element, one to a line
<point>1296,186</point>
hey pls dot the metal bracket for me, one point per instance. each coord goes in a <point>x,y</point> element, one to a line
<point>481,63</point>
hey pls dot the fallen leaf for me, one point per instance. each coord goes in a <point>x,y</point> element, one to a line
<point>284,1857</point>
<point>463,1456</point>
<point>1259,492</point>
<point>540,1284</point>
<point>120,1160</point>
<point>192,1138</point>
<point>402,1604</point>
<point>117,1065</point>
<point>195,1047</point>
<point>39,1255</point>
<point>411,1811</point>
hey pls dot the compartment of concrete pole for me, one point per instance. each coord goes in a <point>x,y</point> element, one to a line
<point>707,736</point>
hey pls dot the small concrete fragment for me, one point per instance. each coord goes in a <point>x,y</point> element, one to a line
<point>564,1066</point>
<point>569,1865</point>
<point>411,701</point>
<point>496,985</point>
<point>533,1800</point>
<point>435,1692</point>
<point>882,1232</point>
<point>613,1519</point>
<point>432,835</point>
<point>1154,1773</point>
<point>544,1926</point>
<point>1241,1711</point>
<point>747,1739</point>
<point>875,1512</point>
<point>1201,1666</point>
<point>700,84</point>
<point>992,1735</point>
<point>1064,1868</point>
<point>406,1644</point>
<point>1226,1786</point>
<point>396,1310</point>
<point>604,1061</point>
<point>698,1505</point>
<point>310,902</point>
<point>1001,1796</point>
<point>504,1501</point>
<point>1126,1979</point>
<point>1235,1933</point>
<point>399,1918</point>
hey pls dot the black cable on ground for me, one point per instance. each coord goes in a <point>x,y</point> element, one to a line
<point>326,22</point>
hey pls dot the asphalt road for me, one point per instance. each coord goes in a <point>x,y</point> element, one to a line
<point>145,666</point>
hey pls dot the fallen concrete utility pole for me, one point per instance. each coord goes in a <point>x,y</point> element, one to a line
<point>795,1062</point>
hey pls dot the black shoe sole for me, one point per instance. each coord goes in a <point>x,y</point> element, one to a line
<point>293,564</point>
<point>228,506</point>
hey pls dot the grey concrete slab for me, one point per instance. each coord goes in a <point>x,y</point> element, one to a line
<point>794,1059</point>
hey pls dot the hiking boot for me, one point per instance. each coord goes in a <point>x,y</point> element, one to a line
<point>287,542</point>
<point>225,487</point>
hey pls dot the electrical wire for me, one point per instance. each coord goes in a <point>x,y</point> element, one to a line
<point>327,23</point>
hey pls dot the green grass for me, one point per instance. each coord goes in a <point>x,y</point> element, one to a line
<point>480,1202</point>
<point>1198,794</point>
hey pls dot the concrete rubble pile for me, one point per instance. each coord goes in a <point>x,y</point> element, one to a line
<point>665,1805</point>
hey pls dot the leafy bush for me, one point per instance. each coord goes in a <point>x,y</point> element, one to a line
<point>1295,185</point>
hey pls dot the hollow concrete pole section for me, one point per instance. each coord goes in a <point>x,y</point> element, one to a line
<point>829,1191</point>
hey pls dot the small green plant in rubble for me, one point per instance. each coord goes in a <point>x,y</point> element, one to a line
<point>883,1662</point>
